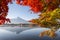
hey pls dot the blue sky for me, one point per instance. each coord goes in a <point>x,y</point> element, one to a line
<point>20,11</point>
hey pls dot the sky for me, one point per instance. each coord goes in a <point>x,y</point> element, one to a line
<point>23,12</point>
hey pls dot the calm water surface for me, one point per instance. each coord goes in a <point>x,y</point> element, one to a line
<point>24,33</point>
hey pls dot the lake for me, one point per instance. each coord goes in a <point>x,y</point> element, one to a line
<point>25,33</point>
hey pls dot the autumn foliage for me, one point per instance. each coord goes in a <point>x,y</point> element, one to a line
<point>49,9</point>
<point>40,5</point>
<point>4,10</point>
<point>50,13</point>
<point>35,5</point>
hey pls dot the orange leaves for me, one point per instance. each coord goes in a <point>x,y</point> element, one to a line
<point>49,33</point>
<point>34,21</point>
<point>52,34</point>
<point>48,1</point>
<point>39,5</point>
<point>17,1</point>
<point>35,5</point>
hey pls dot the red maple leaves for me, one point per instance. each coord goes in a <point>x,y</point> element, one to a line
<point>3,11</point>
<point>35,5</point>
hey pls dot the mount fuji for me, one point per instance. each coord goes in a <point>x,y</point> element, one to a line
<point>18,20</point>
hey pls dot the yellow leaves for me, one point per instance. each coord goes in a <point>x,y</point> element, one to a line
<point>49,33</point>
<point>41,34</point>
<point>36,21</point>
<point>52,34</point>
<point>55,12</point>
<point>48,19</point>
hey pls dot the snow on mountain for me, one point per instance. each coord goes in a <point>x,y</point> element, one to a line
<point>18,20</point>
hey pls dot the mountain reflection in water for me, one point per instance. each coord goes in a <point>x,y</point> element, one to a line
<point>24,33</point>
